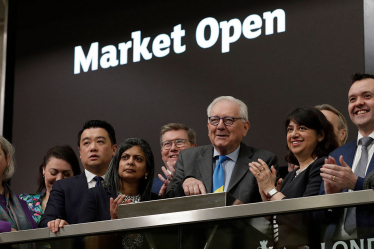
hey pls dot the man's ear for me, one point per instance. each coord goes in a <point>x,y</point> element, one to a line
<point>246,128</point>
<point>342,135</point>
<point>114,148</point>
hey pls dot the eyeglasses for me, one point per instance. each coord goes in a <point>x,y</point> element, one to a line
<point>179,143</point>
<point>214,120</point>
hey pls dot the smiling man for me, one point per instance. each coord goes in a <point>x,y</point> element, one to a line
<point>174,138</point>
<point>97,146</point>
<point>223,165</point>
<point>347,166</point>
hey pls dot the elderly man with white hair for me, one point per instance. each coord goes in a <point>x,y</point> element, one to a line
<point>221,166</point>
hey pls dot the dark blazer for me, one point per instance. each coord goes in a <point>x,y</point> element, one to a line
<point>65,200</point>
<point>307,183</point>
<point>156,185</point>
<point>298,229</point>
<point>96,205</point>
<point>364,214</point>
<point>197,162</point>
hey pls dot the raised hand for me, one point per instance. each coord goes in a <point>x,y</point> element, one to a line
<point>265,177</point>
<point>114,204</point>
<point>336,178</point>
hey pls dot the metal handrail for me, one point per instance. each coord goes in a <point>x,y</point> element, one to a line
<point>196,216</point>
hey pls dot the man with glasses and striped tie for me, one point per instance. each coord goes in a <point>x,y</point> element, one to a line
<point>223,165</point>
<point>348,165</point>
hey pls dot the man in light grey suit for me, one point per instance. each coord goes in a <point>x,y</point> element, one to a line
<point>227,125</point>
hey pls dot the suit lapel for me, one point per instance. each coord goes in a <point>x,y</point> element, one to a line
<point>205,165</point>
<point>350,155</point>
<point>371,165</point>
<point>241,166</point>
<point>81,183</point>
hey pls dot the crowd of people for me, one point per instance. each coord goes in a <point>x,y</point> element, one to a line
<point>320,162</point>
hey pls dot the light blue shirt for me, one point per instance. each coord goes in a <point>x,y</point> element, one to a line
<point>228,165</point>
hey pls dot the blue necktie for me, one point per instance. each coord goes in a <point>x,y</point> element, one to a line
<point>219,176</point>
<point>98,181</point>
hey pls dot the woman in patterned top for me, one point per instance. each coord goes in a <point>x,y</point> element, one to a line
<point>60,162</point>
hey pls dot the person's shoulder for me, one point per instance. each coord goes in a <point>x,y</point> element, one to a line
<point>345,148</point>
<point>69,180</point>
<point>317,164</point>
<point>197,150</point>
<point>258,151</point>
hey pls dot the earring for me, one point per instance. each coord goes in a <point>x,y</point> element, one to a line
<point>145,176</point>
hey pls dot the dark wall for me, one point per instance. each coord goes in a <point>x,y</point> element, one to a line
<point>308,64</point>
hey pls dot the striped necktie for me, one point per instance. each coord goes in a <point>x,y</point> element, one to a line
<point>219,176</point>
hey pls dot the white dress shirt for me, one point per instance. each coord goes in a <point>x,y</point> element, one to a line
<point>90,178</point>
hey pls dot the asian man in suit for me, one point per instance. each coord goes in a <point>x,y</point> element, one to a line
<point>223,165</point>
<point>97,146</point>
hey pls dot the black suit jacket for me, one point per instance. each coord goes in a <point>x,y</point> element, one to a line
<point>96,205</point>
<point>197,162</point>
<point>307,183</point>
<point>65,200</point>
<point>298,229</point>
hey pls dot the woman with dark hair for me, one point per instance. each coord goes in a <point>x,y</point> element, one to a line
<point>14,214</point>
<point>128,180</point>
<point>60,162</point>
<point>310,139</point>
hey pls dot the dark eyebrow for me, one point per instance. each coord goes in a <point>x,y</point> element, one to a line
<point>99,137</point>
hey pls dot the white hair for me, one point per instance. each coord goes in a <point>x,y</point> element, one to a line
<point>8,149</point>
<point>243,110</point>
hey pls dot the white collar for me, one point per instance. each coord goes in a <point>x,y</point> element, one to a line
<point>360,136</point>
<point>90,176</point>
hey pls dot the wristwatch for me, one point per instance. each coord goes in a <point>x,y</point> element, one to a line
<point>272,192</point>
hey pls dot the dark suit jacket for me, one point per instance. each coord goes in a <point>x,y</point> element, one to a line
<point>96,205</point>
<point>364,214</point>
<point>157,184</point>
<point>298,229</point>
<point>197,162</point>
<point>65,200</point>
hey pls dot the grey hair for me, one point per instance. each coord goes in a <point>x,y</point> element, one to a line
<point>243,110</point>
<point>191,134</point>
<point>112,178</point>
<point>8,149</point>
<point>342,121</point>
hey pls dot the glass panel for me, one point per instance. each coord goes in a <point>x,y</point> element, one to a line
<point>320,229</point>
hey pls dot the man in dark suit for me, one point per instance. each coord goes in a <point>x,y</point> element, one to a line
<point>347,166</point>
<point>223,165</point>
<point>174,138</point>
<point>97,146</point>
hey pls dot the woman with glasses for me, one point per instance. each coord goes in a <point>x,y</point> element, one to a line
<point>310,138</point>
<point>128,180</point>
